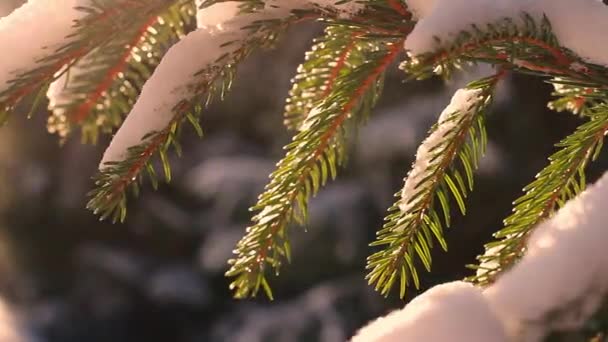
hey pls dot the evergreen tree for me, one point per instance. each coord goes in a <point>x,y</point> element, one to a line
<point>147,67</point>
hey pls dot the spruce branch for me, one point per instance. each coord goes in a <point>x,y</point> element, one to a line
<point>103,21</point>
<point>98,91</point>
<point>576,96</point>
<point>335,53</point>
<point>561,180</point>
<point>332,55</point>
<point>529,47</point>
<point>109,198</point>
<point>523,45</point>
<point>314,156</point>
<point>444,166</point>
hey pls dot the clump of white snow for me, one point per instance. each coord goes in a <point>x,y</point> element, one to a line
<point>461,105</point>
<point>454,312</point>
<point>561,281</point>
<point>219,13</point>
<point>34,31</point>
<point>175,77</point>
<point>61,93</point>
<point>564,272</point>
<point>578,26</point>
<point>490,261</point>
<point>345,9</point>
<point>420,8</point>
<point>215,15</point>
<point>173,81</point>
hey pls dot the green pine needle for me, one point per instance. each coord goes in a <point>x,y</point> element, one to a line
<point>414,222</point>
<point>93,32</point>
<point>110,78</point>
<point>312,158</point>
<point>561,180</point>
<point>332,55</point>
<point>333,93</point>
<point>108,199</point>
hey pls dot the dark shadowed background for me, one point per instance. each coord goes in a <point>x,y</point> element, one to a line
<point>159,276</point>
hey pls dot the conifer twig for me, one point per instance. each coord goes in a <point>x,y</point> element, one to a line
<point>312,157</point>
<point>413,221</point>
<point>561,180</point>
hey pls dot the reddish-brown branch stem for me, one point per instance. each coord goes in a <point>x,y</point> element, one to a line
<point>125,180</point>
<point>340,63</point>
<point>450,153</point>
<point>18,94</point>
<point>136,168</point>
<point>579,101</point>
<point>561,59</point>
<point>143,158</point>
<point>399,7</point>
<point>398,257</point>
<point>40,80</point>
<point>84,109</point>
<point>548,207</point>
<point>325,140</point>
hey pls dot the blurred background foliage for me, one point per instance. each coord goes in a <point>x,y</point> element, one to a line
<point>159,276</point>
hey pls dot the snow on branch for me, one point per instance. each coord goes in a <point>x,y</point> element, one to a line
<point>463,105</point>
<point>222,33</point>
<point>194,71</point>
<point>344,8</point>
<point>45,38</point>
<point>563,278</point>
<point>443,169</point>
<point>99,89</point>
<point>215,15</point>
<point>558,285</point>
<point>33,32</point>
<point>173,81</point>
<point>177,76</point>
<point>420,8</point>
<point>454,312</point>
<point>558,182</point>
<point>580,26</point>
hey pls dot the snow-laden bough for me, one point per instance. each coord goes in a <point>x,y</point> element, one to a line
<point>461,105</point>
<point>35,31</point>
<point>174,79</point>
<point>557,286</point>
<point>455,312</point>
<point>421,8</point>
<point>580,26</point>
<point>564,271</point>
